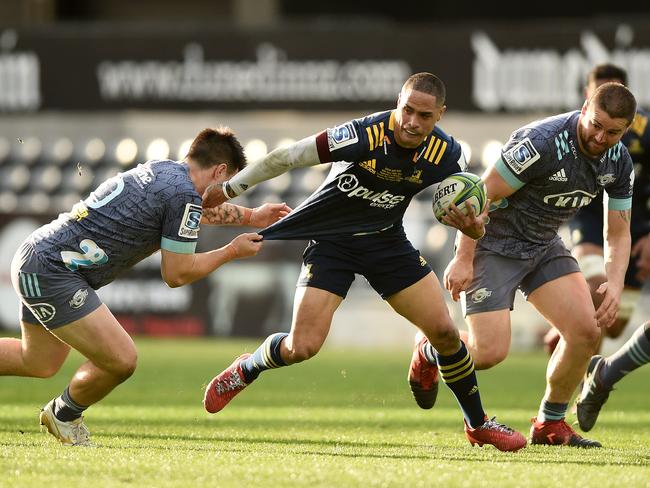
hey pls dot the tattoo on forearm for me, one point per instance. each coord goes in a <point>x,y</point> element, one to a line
<point>626,215</point>
<point>224,214</point>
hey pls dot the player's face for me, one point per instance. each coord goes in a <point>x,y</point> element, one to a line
<point>597,131</point>
<point>415,117</point>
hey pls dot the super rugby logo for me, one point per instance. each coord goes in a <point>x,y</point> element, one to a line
<point>191,221</point>
<point>521,156</point>
<point>574,199</point>
<point>607,179</point>
<point>349,184</point>
<point>341,136</point>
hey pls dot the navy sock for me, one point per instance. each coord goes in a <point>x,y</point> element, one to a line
<point>634,353</point>
<point>267,356</point>
<point>65,408</point>
<point>457,371</point>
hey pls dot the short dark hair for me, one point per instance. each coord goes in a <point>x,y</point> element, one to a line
<point>214,146</point>
<point>616,100</point>
<point>607,71</point>
<point>427,83</point>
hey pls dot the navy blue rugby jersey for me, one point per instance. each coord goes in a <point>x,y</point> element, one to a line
<point>553,180</point>
<point>127,218</point>
<point>637,141</point>
<point>371,182</point>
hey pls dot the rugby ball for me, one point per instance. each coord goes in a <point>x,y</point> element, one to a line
<point>458,189</point>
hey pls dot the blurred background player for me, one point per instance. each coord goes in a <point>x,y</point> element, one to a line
<point>547,170</point>
<point>57,269</point>
<point>355,222</point>
<point>587,225</point>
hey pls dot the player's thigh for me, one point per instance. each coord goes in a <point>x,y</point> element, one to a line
<point>423,305</point>
<point>313,309</point>
<point>42,352</point>
<point>566,303</point>
<point>101,339</point>
<point>489,335</point>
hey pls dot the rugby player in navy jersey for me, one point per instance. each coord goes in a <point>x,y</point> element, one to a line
<point>354,223</point>
<point>547,170</point>
<point>155,206</point>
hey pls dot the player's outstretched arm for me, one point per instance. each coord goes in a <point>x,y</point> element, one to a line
<point>181,269</point>
<point>230,214</point>
<point>300,154</point>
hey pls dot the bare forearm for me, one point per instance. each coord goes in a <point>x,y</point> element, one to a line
<point>301,154</point>
<point>617,257</point>
<point>465,247</point>
<point>203,264</point>
<point>226,214</point>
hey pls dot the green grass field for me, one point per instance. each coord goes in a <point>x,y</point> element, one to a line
<point>344,418</point>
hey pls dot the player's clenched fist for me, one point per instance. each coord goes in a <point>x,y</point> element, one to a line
<point>246,245</point>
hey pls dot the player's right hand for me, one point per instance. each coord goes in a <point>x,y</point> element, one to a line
<point>213,196</point>
<point>458,276</point>
<point>247,245</point>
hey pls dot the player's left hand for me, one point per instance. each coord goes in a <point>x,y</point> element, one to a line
<point>471,225</point>
<point>607,312</point>
<point>213,196</point>
<point>269,213</point>
<point>641,251</point>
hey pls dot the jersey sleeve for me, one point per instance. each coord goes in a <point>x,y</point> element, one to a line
<point>345,142</point>
<point>522,158</point>
<point>181,223</point>
<point>620,190</point>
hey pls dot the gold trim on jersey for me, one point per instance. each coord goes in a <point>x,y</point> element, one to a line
<point>370,165</point>
<point>435,150</point>
<point>391,121</point>
<point>639,124</point>
<point>375,135</point>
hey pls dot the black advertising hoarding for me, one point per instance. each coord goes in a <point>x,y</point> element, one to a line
<point>489,67</point>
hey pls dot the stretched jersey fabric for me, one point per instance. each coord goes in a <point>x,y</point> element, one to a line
<point>553,180</point>
<point>127,218</point>
<point>637,141</point>
<point>371,182</point>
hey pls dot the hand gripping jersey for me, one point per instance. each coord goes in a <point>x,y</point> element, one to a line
<point>371,182</point>
<point>553,180</point>
<point>127,218</point>
<point>637,141</point>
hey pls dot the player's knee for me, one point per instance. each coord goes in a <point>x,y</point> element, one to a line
<point>44,370</point>
<point>444,338</point>
<point>582,334</point>
<point>299,352</point>
<point>486,358</point>
<point>123,367</point>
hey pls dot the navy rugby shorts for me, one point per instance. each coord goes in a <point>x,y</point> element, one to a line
<point>50,297</point>
<point>389,263</point>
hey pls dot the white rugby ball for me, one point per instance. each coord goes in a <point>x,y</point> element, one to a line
<point>458,189</point>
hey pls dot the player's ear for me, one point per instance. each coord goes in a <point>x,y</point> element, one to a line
<point>583,110</point>
<point>442,111</point>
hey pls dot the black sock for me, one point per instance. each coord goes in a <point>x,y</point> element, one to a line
<point>457,371</point>
<point>65,408</point>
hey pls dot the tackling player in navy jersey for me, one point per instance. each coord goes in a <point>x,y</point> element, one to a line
<point>354,221</point>
<point>547,170</point>
<point>155,206</point>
